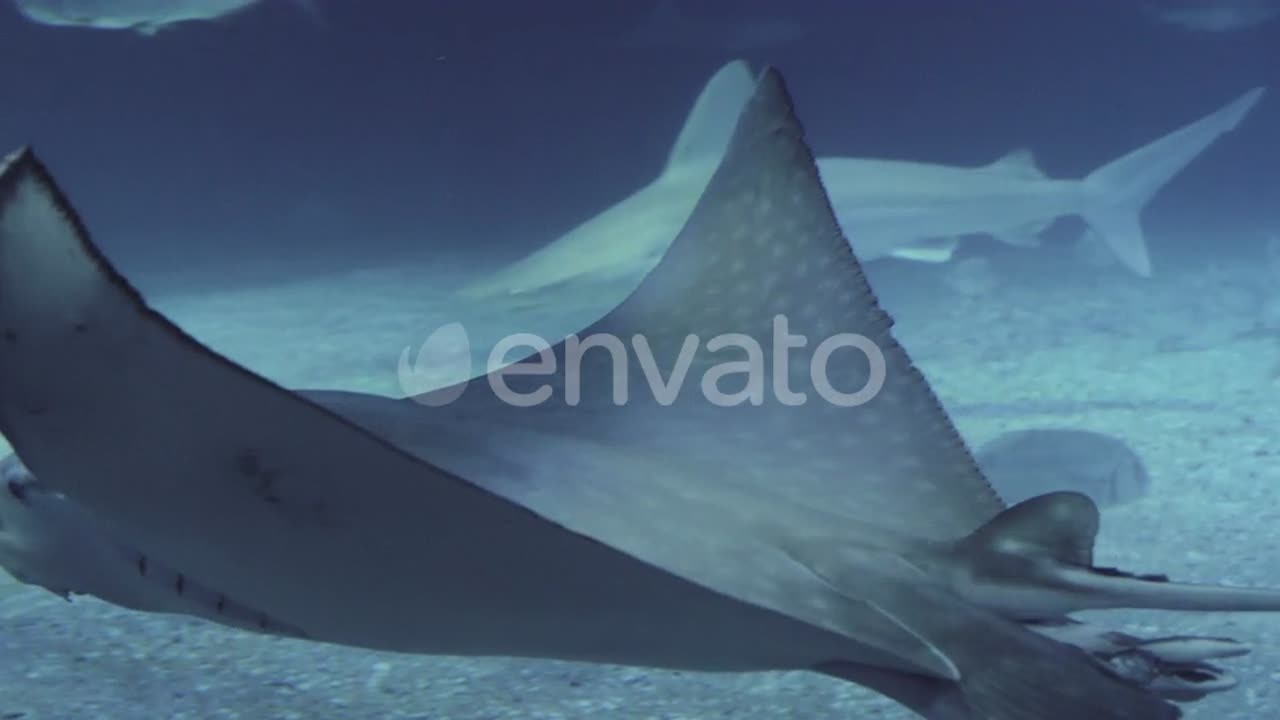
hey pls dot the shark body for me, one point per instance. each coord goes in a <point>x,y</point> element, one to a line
<point>861,542</point>
<point>888,208</point>
<point>146,17</point>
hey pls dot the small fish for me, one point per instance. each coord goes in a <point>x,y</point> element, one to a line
<point>143,16</point>
<point>1025,463</point>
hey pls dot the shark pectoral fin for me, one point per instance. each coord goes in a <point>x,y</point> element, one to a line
<point>1026,235</point>
<point>932,250</point>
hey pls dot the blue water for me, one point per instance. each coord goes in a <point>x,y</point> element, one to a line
<point>302,193</point>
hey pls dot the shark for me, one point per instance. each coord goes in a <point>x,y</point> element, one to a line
<point>534,515</point>
<point>889,208</point>
<point>146,17</point>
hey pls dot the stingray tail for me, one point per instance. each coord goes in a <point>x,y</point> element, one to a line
<point>1115,194</point>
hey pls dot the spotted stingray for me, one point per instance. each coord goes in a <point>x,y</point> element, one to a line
<point>726,527</point>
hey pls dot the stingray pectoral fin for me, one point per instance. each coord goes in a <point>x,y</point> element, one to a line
<point>1013,678</point>
<point>1176,669</point>
<point>260,493</point>
<point>1035,561</point>
<point>930,697</point>
<point>1003,671</point>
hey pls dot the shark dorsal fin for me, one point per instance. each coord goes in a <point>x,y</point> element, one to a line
<point>1020,162</point>
<point>709,125</point>
<point>1059,525</point>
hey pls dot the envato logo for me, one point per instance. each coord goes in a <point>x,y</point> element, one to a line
<point>443,367</point>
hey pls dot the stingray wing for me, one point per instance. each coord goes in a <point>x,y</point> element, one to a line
<point>714,492</point>
<point>269,496</point>
<point>763,248</point>
<point>254,490</point>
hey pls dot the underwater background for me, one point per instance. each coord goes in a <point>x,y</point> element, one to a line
<point>303,190</point>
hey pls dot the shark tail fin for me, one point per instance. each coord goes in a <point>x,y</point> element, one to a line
<point>1115,194</point>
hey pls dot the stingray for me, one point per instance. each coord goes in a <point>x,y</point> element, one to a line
<point>715,531</point>
<point>48,540</point>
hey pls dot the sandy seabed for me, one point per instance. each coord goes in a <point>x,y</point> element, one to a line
<point>1178,366</point>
